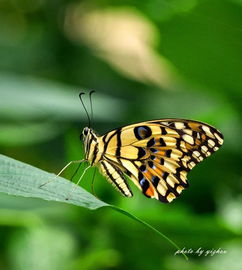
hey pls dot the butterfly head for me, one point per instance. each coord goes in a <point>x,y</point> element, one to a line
<point>86,135</point>
<point>90,140</point>
<point>85,132</point>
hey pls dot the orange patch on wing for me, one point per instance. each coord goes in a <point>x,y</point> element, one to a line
<point>198,142</point>
<point>203,137</point>
<point>148,175</point>
<point>150,192</point>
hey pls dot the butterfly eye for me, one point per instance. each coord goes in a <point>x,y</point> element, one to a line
<point>85,131</point>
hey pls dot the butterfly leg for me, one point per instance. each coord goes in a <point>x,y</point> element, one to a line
<point>92,185</point>
<point>74,188</point>
<point>61,171</point>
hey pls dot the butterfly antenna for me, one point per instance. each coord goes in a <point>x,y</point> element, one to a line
<point>90,98</point>
<point>88,117</point>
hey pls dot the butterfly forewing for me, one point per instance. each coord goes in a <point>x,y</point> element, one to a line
<point>157,155</point>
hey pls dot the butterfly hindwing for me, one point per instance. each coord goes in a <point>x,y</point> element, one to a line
<point>157,155</point>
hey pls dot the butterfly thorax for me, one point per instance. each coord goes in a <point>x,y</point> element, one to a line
<point>91,145</point>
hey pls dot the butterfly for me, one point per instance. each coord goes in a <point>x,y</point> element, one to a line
<point>156,155</point>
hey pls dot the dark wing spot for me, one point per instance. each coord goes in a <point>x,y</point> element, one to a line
<point>155,180</point>
<point>168,153</point>
<point>186,125</point>
<point>163,131</point>
<point>151,142</point>
<point>153,150</point>
<point>143,168</point>
<point>144,185</point>
<point>165,175</point>
<point>162,198</point>
<point>153,157</point>
<point>141,152</point>
<point>151,164</point>
<point>194,134</point>
<point>162,142</point>
<point>162,161</point>
<point>178,142</point>
<point>142,132</point>
<point>140,176</point>
<point>172,124</point>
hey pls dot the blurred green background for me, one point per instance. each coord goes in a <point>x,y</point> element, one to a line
<point>145,60</point>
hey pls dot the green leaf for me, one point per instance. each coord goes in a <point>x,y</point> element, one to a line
<point>18,178</point>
